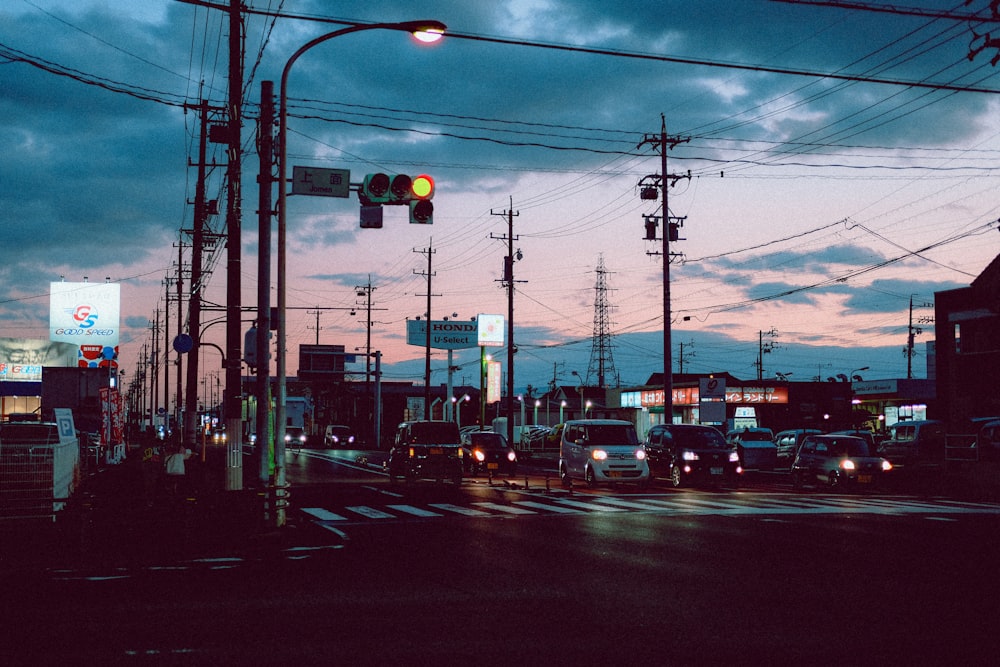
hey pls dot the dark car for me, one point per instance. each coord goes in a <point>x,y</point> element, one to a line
<point>426,449</point>
<point>691,454</point>
<point>487,453</point>
<point>787,444</point>
<point>756,447</point>
<point>296,437</point>
<point>340,436</point>
<point>911,442</point>
<point>837,461</point>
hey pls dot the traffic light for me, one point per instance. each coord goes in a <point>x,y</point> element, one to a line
<point>421,212</point>
<point>397,189</point>
<point>421,208</point>
<point>375,189</point>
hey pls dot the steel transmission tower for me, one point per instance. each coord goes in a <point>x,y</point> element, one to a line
<point>602,361</point>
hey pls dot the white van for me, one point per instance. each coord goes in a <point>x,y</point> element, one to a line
<point>601,451</point>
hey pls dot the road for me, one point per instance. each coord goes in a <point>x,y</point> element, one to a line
<point>430,573</point>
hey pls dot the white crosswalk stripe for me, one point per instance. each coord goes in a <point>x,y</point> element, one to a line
<point>547,507</point>
<point>509,509</point>
<point>323,514</point>
<point>521,504</point>
<point>458,509</point>
<point>370,512</point>
<point>415,511</point>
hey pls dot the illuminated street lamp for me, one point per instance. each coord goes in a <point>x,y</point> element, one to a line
<point>562,408</point>
<point>424,31</point>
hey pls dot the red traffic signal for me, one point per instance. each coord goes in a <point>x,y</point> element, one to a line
<point>422,187</point>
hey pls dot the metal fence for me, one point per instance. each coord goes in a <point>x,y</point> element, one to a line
<point>37,480</point>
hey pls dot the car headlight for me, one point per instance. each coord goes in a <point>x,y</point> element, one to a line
<point>847,464</point>
<point>640,454</point>
<point>480,456</point>
<point>511,456</point>
<point>599,455</point>
<point>689,456</point>
<point>734,457</point>
<point>302,438</point>
<point>886,466</point>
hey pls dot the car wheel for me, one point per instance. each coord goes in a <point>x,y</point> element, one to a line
<point>589,476</point>
<point>564,476</point>
<point>676,479</point>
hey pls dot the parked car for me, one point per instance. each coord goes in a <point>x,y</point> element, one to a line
<point>601,451</point>
<point>787,444</point>
<point>338,435</point>
<point>755,447</point>
<point>916,441</point>
<point>426,449</point>
<point>692,453</point>
<point>485,452</point>
<point>988,441</point>
<point>295,436</point>
<point>862,433</point>
<point>838,461</point>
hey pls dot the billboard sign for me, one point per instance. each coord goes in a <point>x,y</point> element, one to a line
<point>490,330</point>
<point>21,359</point>
<point>85,313</point>
<point>445,334</point>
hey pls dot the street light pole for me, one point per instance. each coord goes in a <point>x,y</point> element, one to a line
<point>427,31</point>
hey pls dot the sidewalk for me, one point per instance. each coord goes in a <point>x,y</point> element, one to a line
<point>117,518</point>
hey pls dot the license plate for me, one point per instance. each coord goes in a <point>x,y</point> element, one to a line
<point>614,473</point>
<point>436,451</point>
<point>716,471</point>
<point>492,466</point>
<point>864,479</point>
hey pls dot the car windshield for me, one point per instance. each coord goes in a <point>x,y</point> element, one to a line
<point>611,434</point>
<point>755,435</point>
<point>434,433</point>
<point>698,438</point>
<point>849,447</point>
<point>488,440</point>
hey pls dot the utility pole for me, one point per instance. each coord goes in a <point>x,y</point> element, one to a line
<point>365,291</point>
<point>508,281</point>
<point>265,210</point>
<point>911,333</point>
<point>429,251</point>
<point>194,300</point>
<point>234,337</point>
<point>179,401</point>
<point>317,327</point>
<point>764,348</point>
<point>661,143</point>
<point>681,358</point>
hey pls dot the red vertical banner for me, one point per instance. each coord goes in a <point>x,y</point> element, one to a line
<point>105,394</point>
<point>117,416</point>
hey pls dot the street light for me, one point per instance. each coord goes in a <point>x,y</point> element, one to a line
<point>425,31</point>
<point>562,408</point>
<point>852,375</point>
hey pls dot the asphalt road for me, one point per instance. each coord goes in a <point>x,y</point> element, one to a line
<point>749,577</point>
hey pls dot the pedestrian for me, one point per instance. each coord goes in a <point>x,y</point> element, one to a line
<point>176,469</point>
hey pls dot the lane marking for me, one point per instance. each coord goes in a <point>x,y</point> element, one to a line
<point>415,511</point>
<point>458,509</point>
<point>323,514</point>
<point>508,509</point>
<point>369,512</point>
<point>547,508</point>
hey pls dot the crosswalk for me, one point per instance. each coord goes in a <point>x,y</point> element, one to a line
<point>522,505</point>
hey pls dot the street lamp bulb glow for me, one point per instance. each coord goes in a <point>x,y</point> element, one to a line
<point>430,33</point>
